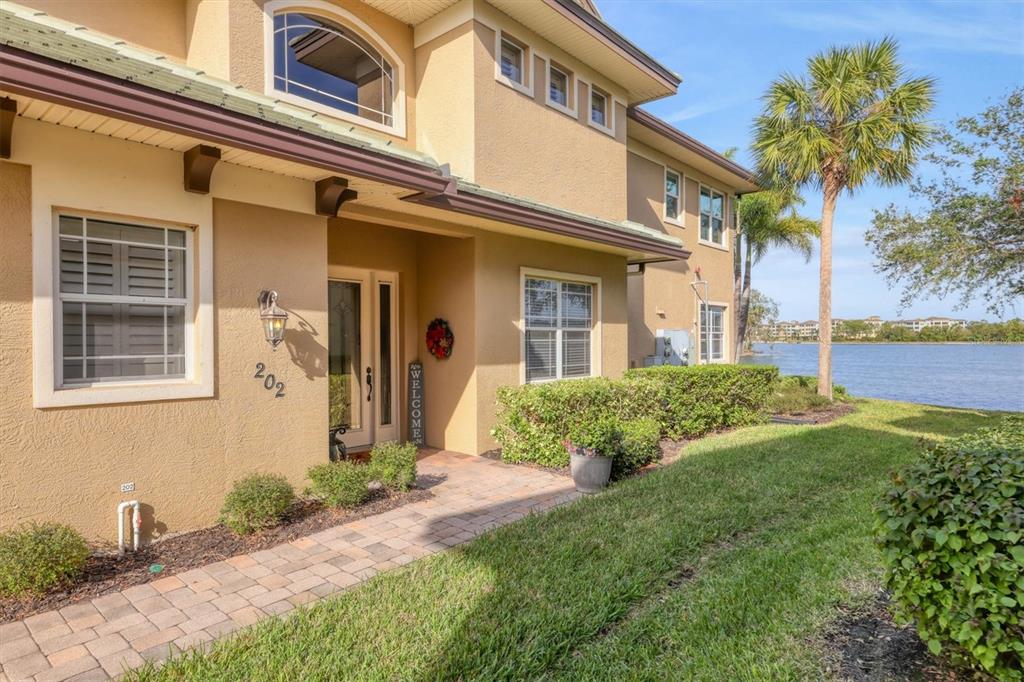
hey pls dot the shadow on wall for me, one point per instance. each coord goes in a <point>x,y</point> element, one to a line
<point>306,352</point>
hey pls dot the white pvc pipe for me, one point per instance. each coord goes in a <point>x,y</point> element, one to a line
<point>136,525</point>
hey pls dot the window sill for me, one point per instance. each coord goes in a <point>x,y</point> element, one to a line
<point>713,245</point>
<point>675,222</point>
<point>518,87</point>
<point>316,108</point>
<point>571,113</point>
<point>123,393</point>
<point>604,129</point>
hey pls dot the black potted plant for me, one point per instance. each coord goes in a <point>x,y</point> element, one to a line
<point>591,447</point>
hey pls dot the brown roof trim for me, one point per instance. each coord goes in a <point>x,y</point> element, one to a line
<point>654,123</point>
<point>35,76</point>
<point>511,212</point>
<point>595,25</point>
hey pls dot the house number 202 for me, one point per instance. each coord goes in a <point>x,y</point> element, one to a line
<point>270,382</point>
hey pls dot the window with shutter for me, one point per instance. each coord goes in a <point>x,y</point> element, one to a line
<point>123,301</point>
<point>558,319</point>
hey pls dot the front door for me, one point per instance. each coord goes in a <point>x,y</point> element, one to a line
<point>362,352</point>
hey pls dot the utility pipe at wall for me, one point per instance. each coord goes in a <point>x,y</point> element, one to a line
<point>136,525</point>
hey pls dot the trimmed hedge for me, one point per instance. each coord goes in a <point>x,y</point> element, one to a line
<point>951,532</point>
<point>706,398</point>
<point>532,420</point>
<point>640,446</point>
<point>256,502</point>
<point>393,464</point>
<point>340,484</point>
<point>39,556</point>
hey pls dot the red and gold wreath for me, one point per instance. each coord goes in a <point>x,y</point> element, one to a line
<point>440,339</point>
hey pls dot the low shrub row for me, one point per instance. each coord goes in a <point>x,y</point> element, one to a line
<point>951,533</point>
<point>534,419</point>
<point>39,556</point>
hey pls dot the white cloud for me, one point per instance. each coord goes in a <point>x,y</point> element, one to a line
<point>703,108</point>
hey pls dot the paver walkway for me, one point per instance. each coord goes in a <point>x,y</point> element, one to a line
<point>100,638</point>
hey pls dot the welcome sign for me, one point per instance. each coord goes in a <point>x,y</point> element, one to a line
<point>417,427</point>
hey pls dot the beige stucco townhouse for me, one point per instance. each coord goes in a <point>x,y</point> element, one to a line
<point>378,165</point>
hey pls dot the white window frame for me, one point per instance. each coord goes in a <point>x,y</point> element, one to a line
<point>187,303</point>
<point>526,88</point>
<point>48,388</point>
<point>595,326</point>
<point>702,335</point>
<point>680,178</point>
<point>723,245</point>
<point>339,15</point>
<point>609,110</point>
<point>569,109</point>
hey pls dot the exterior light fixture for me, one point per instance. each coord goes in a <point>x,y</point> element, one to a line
<point>273,318</point>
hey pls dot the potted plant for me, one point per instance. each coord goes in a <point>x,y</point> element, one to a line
<point>591,447</point>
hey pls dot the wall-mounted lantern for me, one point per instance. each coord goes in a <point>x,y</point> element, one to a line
<point>274,319</point>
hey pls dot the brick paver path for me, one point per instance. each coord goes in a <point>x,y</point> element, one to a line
<point>100,638</point>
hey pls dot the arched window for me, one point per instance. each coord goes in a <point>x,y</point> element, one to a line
<point>332,65</point>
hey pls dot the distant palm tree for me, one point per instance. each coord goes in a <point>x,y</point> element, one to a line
<point>767,220</point>
<point>855,117</point>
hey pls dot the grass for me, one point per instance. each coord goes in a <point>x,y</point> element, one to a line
<point>725,565</point>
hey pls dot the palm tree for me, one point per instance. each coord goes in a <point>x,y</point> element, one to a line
<point>767,220</point>
<point>853,118</point>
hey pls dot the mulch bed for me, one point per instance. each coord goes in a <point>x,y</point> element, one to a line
<point>106,573</point>
<point>824,415</point>
<point>866,645</point>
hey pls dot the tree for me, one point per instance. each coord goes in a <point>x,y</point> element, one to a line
<point>767,220</point>
<point>854,118</point>
<point>970,239</point>
<point>762,312</point>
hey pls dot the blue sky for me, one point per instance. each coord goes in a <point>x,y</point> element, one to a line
<point>727,53</point>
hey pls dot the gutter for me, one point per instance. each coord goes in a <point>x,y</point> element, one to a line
<point>594,25</point>
<point>508,211</point>
<point>654,123</point>
<point>29,74</point>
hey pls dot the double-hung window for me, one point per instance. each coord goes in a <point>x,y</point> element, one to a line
<point>123,301</point>
<point>512,61</point>
<point>558,86</point>
<point>712,207</point>
<point>712,337</point>
<point>599,114</point>
<point>671,195</point>
<point>558,317</point>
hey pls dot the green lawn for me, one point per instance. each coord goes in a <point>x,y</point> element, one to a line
<point>723,566</point>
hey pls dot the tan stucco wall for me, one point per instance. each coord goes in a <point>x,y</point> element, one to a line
<point>529,149</point>
<point>662,297</point>
<point>500,259</point>
<point>67,464</point>
<point>154,24</point>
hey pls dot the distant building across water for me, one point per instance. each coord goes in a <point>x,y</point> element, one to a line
<point>867,328</point>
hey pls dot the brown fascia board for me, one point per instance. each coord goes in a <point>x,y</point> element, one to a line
<point>35,76</point>
<point>596,26</point>
<point>654,123</point>
<point>510,212</point>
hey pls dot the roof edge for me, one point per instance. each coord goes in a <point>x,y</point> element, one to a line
<point>507,210</point>
<point>33,75</point>
<point>652,122</point>
<point>595,24</point>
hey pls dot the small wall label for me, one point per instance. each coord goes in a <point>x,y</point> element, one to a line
<point>417,425</point>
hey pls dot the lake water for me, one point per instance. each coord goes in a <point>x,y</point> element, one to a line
<point>987,376</point>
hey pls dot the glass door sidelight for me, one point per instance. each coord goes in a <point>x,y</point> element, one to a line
<point>362,355</point>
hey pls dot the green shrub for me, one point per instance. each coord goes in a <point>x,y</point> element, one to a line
<point>340,484</point>
<point>951,532</point>
<point>705,398</point>
<point>810,383</point>
<point>533,420</point>
<point>640,446</point>
<point>394,464</point>
<point>256,502</point>
<point>37,556</point>
<point>602,434</point>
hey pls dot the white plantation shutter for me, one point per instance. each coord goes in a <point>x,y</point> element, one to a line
<point>558,317</point>
<point>123,300</point>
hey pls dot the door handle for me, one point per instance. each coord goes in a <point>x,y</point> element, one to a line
<point>369,384</point>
